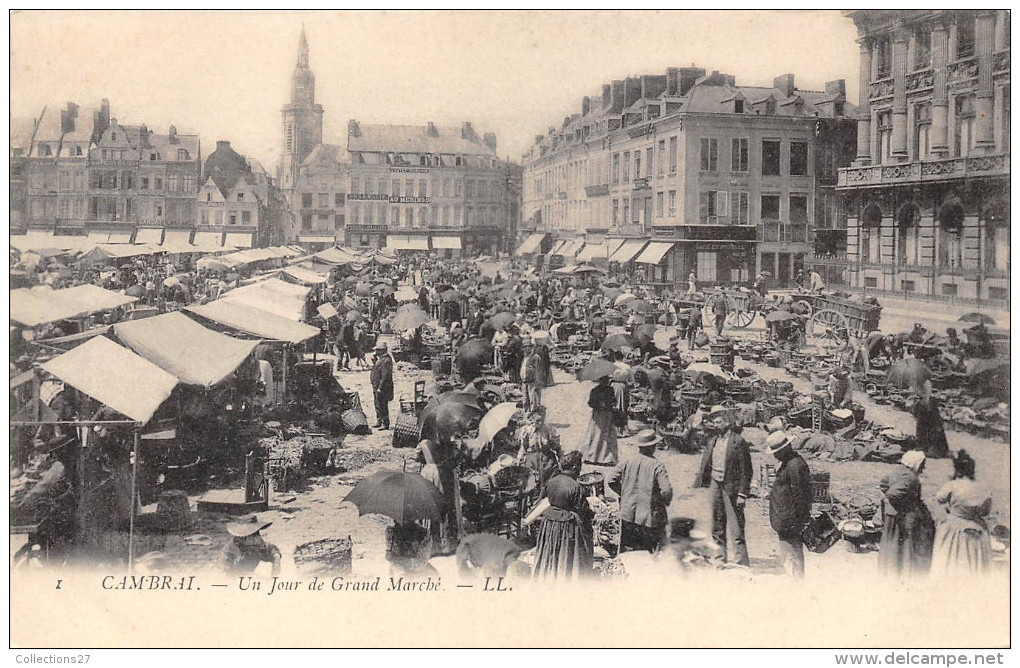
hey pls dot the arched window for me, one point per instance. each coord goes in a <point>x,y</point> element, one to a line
<point>460,161</point>
<point>950,239</point>
<point>996,230</point>
<point>871,235</point>
<point>907,231</point>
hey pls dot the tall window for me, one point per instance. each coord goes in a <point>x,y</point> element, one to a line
<point>423,188</point>
<point>626,210</point>
<point>739,208</point>
<point>616,168</point>
<point>396,188</point>
<point>409,217</point>
<point>1004,118</point>
<point>882,53</point>
<point>637,165</point>
<point>997,246</point>
<point>770,207</point>
<point>963,132</point>
<point>885,137</point>
<point>906,235</point>
<point>922,132</point>
<point>707,266</point>
<point>662,157</point>
<point>672,203</point>
<point>660,205</point>
<point>922,49</point>
<point>626,166</point>
<point>964,36</point>
<point>871,235</point>
<point>798,217</point>
<point>712,207</point>
<point>798,158</point>
<point>738,154</point>
<point>289,134</point>
<point>770,151</point>
<point>709,155</point>
<point>616,212</point>
<point>648,161</point>
<point>672,155</point>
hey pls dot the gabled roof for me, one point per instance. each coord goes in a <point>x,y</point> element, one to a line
<point>326,154</point>
<point>414,139</point>
<point>707,98</point>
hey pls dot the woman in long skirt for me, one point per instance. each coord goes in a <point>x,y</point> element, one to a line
<point>931,432</point>
<point>565,545</point>
<point>439,464</point>
<point>962,543</point>
<point>599,446</point>
<point>908,530</point>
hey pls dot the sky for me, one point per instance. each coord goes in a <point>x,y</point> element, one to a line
<point>225,75</point>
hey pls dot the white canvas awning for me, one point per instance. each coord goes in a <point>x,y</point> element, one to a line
<point>446,242</point>
<point>238,239</point>
<point>254,321</point>
<point>316,239</point>
<point>273,295</point>
<point>114,376</point>
<point>97,237</point>
<point>654,252</point>
<point>149,235</point>
<point>628,250</point>
<point>531,244</point>
<point>593,252</point>
<point>395,243</point>
<point>208,239</point>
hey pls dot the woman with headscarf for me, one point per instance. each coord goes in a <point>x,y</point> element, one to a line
<point>931,431</point>
<point>599,446</point>
<point>962,543</point>
<point>908,530</point>
<point>565,545</point>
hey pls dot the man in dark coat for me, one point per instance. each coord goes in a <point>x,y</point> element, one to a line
<point>789,501</point>
<point>513,354</point>
<point>382,385</point>
<point>720,309</point>
<point>475,318</point>
<point>693,326</point>
<point>726,470</point>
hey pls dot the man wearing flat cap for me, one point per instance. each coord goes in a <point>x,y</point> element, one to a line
<point>726,471</point>
<point>382,385</point>
<point>248,549</point>
<point>645,493</point>
<point>789,501</point>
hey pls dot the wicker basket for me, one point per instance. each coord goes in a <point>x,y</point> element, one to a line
<point>594,483</point>
<point>328,555</point>
<point>355,422</point>
<point>405,430</point>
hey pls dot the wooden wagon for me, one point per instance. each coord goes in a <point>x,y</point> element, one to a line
<point>741,307</point>
<point>836,319</point>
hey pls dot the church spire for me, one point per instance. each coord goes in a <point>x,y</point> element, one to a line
<point>302,58</point>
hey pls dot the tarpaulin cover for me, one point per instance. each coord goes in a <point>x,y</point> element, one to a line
<point>338,256</point>
<point>39,240</point>
<point>149,235</point>
<point>654,252</point>
<point>254,321</point>
<point>273,295</point>
<point>40,306</point>
<point>114,376</point>
<point>558,246</point>
<point>531,244</point>
<point>446,242</point>
<point>628,250</point>
<point>94,298</point>
<point>178,344</point>
<point>304,275</point>
<point>104,252</point>
<point>238,239</point>
<point>382,258</point>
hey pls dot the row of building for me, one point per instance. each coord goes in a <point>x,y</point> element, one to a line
<point>905,192</point>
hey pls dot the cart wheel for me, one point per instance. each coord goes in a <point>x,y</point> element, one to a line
<point>828,328</point>
<point>742,319</point>
<point>806,307</point>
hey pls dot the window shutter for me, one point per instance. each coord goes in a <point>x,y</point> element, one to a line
<point>721,204</point>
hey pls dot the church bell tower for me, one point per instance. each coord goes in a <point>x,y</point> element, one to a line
<point>302,119</point>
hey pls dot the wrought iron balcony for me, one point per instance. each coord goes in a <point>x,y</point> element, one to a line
<point>929,170</point>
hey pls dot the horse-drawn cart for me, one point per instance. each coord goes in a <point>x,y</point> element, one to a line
<point>741,307</point>
<point>835,319</point>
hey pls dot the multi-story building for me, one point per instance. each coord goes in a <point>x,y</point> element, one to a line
<point>80,172</point>
<point>927,197</point>
<point>238,199</point>
<point>689,172</point>
<point>402,187</point>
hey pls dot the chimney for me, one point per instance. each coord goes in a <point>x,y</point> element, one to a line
<point>784,83</point>
<point>489,139</point>
<point>467,132</point>
<point>652,86</point>
<point>353,129</point>
<point>585,105</point>
<point>607,96</point>
<point>433,132</point>
<point>539,138</point>
<point>672,81</point>
<point>837,87</point>
<point>616,100</point>
<point>687,77</point>
<point>173,134</point>
<point>632,88</point>
<point>222,145</point>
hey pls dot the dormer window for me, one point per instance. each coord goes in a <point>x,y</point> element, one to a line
<point>460,161</point>
<point>113,136</point>
<point>240,197</point>
<point>738,106</point>
<point>423,161</point>
<point>44,150</point>
<point>152,156</point>
<point>77,151</point>
<point>770,107</point>
<point>182,154</point>
<point>838,108</point>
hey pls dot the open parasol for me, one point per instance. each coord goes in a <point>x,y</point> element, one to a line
<point>639,305</point>
<point>908,374</point>
<point>645,332</point>
<point>623,299</point>
<point>472,356</point>
<point>976,317</point>
<point>409,317</point>
<point>451,296</point>
<point>495,420</point>
<point>135,290</point>
<point>383,289</point>
<point>706,369</point>
<point>363,289</point>
<point>406,497</point>
<point>617,341</point>
<point>596,369</point>
<point>353,315</point>
<point>780,316</point>
<point>612,293</point>
<point>449,414</point>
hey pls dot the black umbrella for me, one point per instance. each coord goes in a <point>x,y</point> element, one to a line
<point>472,356</point>
<point>383,289</point>
<point>646,332</point>
<point>617,342</point>
<point>406,497</point>
<point>980,318</point>
<point>501,320</point>
<point>449,414</point>
<point>451,296</point>
<point>135,290</point>
<point>596,369</point>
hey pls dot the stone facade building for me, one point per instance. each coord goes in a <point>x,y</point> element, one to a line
<point>688,171</point>
<point>927,197</point>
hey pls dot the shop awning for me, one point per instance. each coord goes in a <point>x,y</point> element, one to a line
<point>316,240</point>
<point>593,252</point>
<point>273,295</point>
<point>531,244</point>
<point>654,252</point>
<point>404,243</point>
<point>44,240</point>
<point>382,258</point>
<point>628,250</point>
<point>176,343</point>
<point>558,246</point>
<point>208,239</point>
<point>104,252</point>
<point>149,235</point>
<point>110,237</point>
<point>612,245</point>
<point>254,321</point>
<point>338,256</point>
<point>304,276</point>
<point>114,376</point>
<point>238,239</point>
<point>570,249</point>
<point>446,242</point>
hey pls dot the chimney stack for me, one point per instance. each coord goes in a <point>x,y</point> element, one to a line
<point>837,87</point>
<point>785,85</point>
<point>632,91</point>
<point>222,145</point>
<point>616,102</point>
<point>353,129</point>
<point>432,131</point>
<point>607,96</point>
<point>489,139</point>
<point>652,86</point>
<point>585,105</point>
<point>687,78</point>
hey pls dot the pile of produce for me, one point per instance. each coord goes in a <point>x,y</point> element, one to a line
<point>606,524</point>
<point>292,460</point>
<point>36,488</point>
